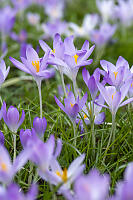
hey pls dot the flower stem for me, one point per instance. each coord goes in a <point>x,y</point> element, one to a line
<point>63,83</point>
<point>14,146</point>
<point>30,174</point>
<point>40,96</point>
<point>75,88</point>
<point>74,131</point>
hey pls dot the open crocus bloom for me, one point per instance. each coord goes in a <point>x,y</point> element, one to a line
<point>34,65</point>
<point>72,105</point>
<point>11,117</point>
<point>116,75</point>
<point>3,72</point>
<point>13,192</point>
<point>7,169</point>
<point>114,98</point>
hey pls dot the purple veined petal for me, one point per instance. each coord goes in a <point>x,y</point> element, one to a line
<point>31,55</point>
<point>44,74</point>
<point>115,102</point>
<point>44,46</point>
<point>32,193</point>
<point>2,139</point>
<point>92,87</point>
<point>85,45</point>
<point>129,172</point>
<point>105,64</point>
<point>12,119</point>
<point>102,105</point>
<point>69,46</point>
<point>89,52</point>
<point>57,39</point>
<point>1,77</point>
<point>104,93</point>
<point>21,119</point>
<point>43,62</point>
<point>4,112</point>
<point>7,72</point>
<point>74,111</point>
<point>59,50</point>
<point>83,101</point>
<point>60,104</point>
<point>75,164</point>
<point>29,66</point>
<point>122,62</point>
<point>55,166</point>
<point>100,118</point>
<point>70,61</point>
<point>96,74</point>
<point>84,63</point>
<point>58,148</point>
<point>125,88</point>
<point>85,75</point>
<point>126,102</point>
<point>19,65</point>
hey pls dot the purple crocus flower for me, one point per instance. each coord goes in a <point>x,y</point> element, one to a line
<point>7,19</point>
<point>39,126</point>
<point>72,106</point>
<point>33,65</point>
<point>116,75</point>
<point>91,81</point>
<point>11,117</point>
<point>26,136</point>
<point>124,188</point>
<point>3,72</point>
<point>93,186</point>
<point>101,36</point>
<point>33,18</point>
<point>51,28</point>
<point>115,98</point>
<point>21,5</point>
<point>13,192</point>
<point>61,92</point>
<point>2,139</point>
<point>7,169</point>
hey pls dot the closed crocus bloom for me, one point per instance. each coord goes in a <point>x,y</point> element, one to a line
<point>72,106</point>
<point>93,186</point>
<point>3,72</point>
<point>11,117</point>
<point>39,125</point>
<point>26,136</point>
<point>2,139</point>
<point>13,192</point>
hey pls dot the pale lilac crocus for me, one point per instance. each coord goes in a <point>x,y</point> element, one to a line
<point>39,125</point>
<point>35,66</point>
<point>92,186</point>
<point>14,192</point>
<point>33,18</point>
<point>2,138</point>
<point>7,169</point>
<point>116,75</point>
<point>124,188</point>
<point>3,72</point>
<point>102,35</point>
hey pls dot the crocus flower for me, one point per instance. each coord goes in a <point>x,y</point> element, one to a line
<point>39,126</point>
<point>33,18</point>
<point>106,9</point>
<point>21,5</point>
<point>2,139</point>
<point>124,12</point>
<point>61,92</point>
<point>11,117</point>
<point>26,136</point>
<point>14,192</point>
<point>116,75</point>
<point>57,176</point>
<point>101,36</point>
<point>115,98</point>
<point>72,106</point>
<point>89,23</point>
<point>3,72</point>
<point>91,81</point>
<point>93,186</point>
<point>7,169</point>
<point>124,188</point>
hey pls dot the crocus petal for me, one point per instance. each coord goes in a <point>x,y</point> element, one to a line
<point>105,63</point>
<point>31,55</point>
<point>44,46</point>
<point>69,46</point>
<point>19,65</point>
<point>74,111</point>
<point>85,75</point>
<point>21,119</point>
<point>58,148</point>
<point>126,102</point>
<point>59,104</point>
<point>104,93</point>
<point>100,118</point>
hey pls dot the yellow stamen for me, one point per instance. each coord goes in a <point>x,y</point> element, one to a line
<point>71,104</point>
<point>113,95</point>
<point>36,65</point>
<point>3,167</point>
<point>85,116</point>
<point>53,50</point>
<point>76,58</point>
<point>115,73</point>
<point>132,84</point>
<point>63,176</point>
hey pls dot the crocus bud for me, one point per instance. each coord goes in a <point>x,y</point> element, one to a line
<point>40,126</point>
<point>26,136</point>
<point>11,117</point>
<point>2,139</point>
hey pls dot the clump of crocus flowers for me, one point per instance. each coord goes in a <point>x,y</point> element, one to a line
<point>111,85</point>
